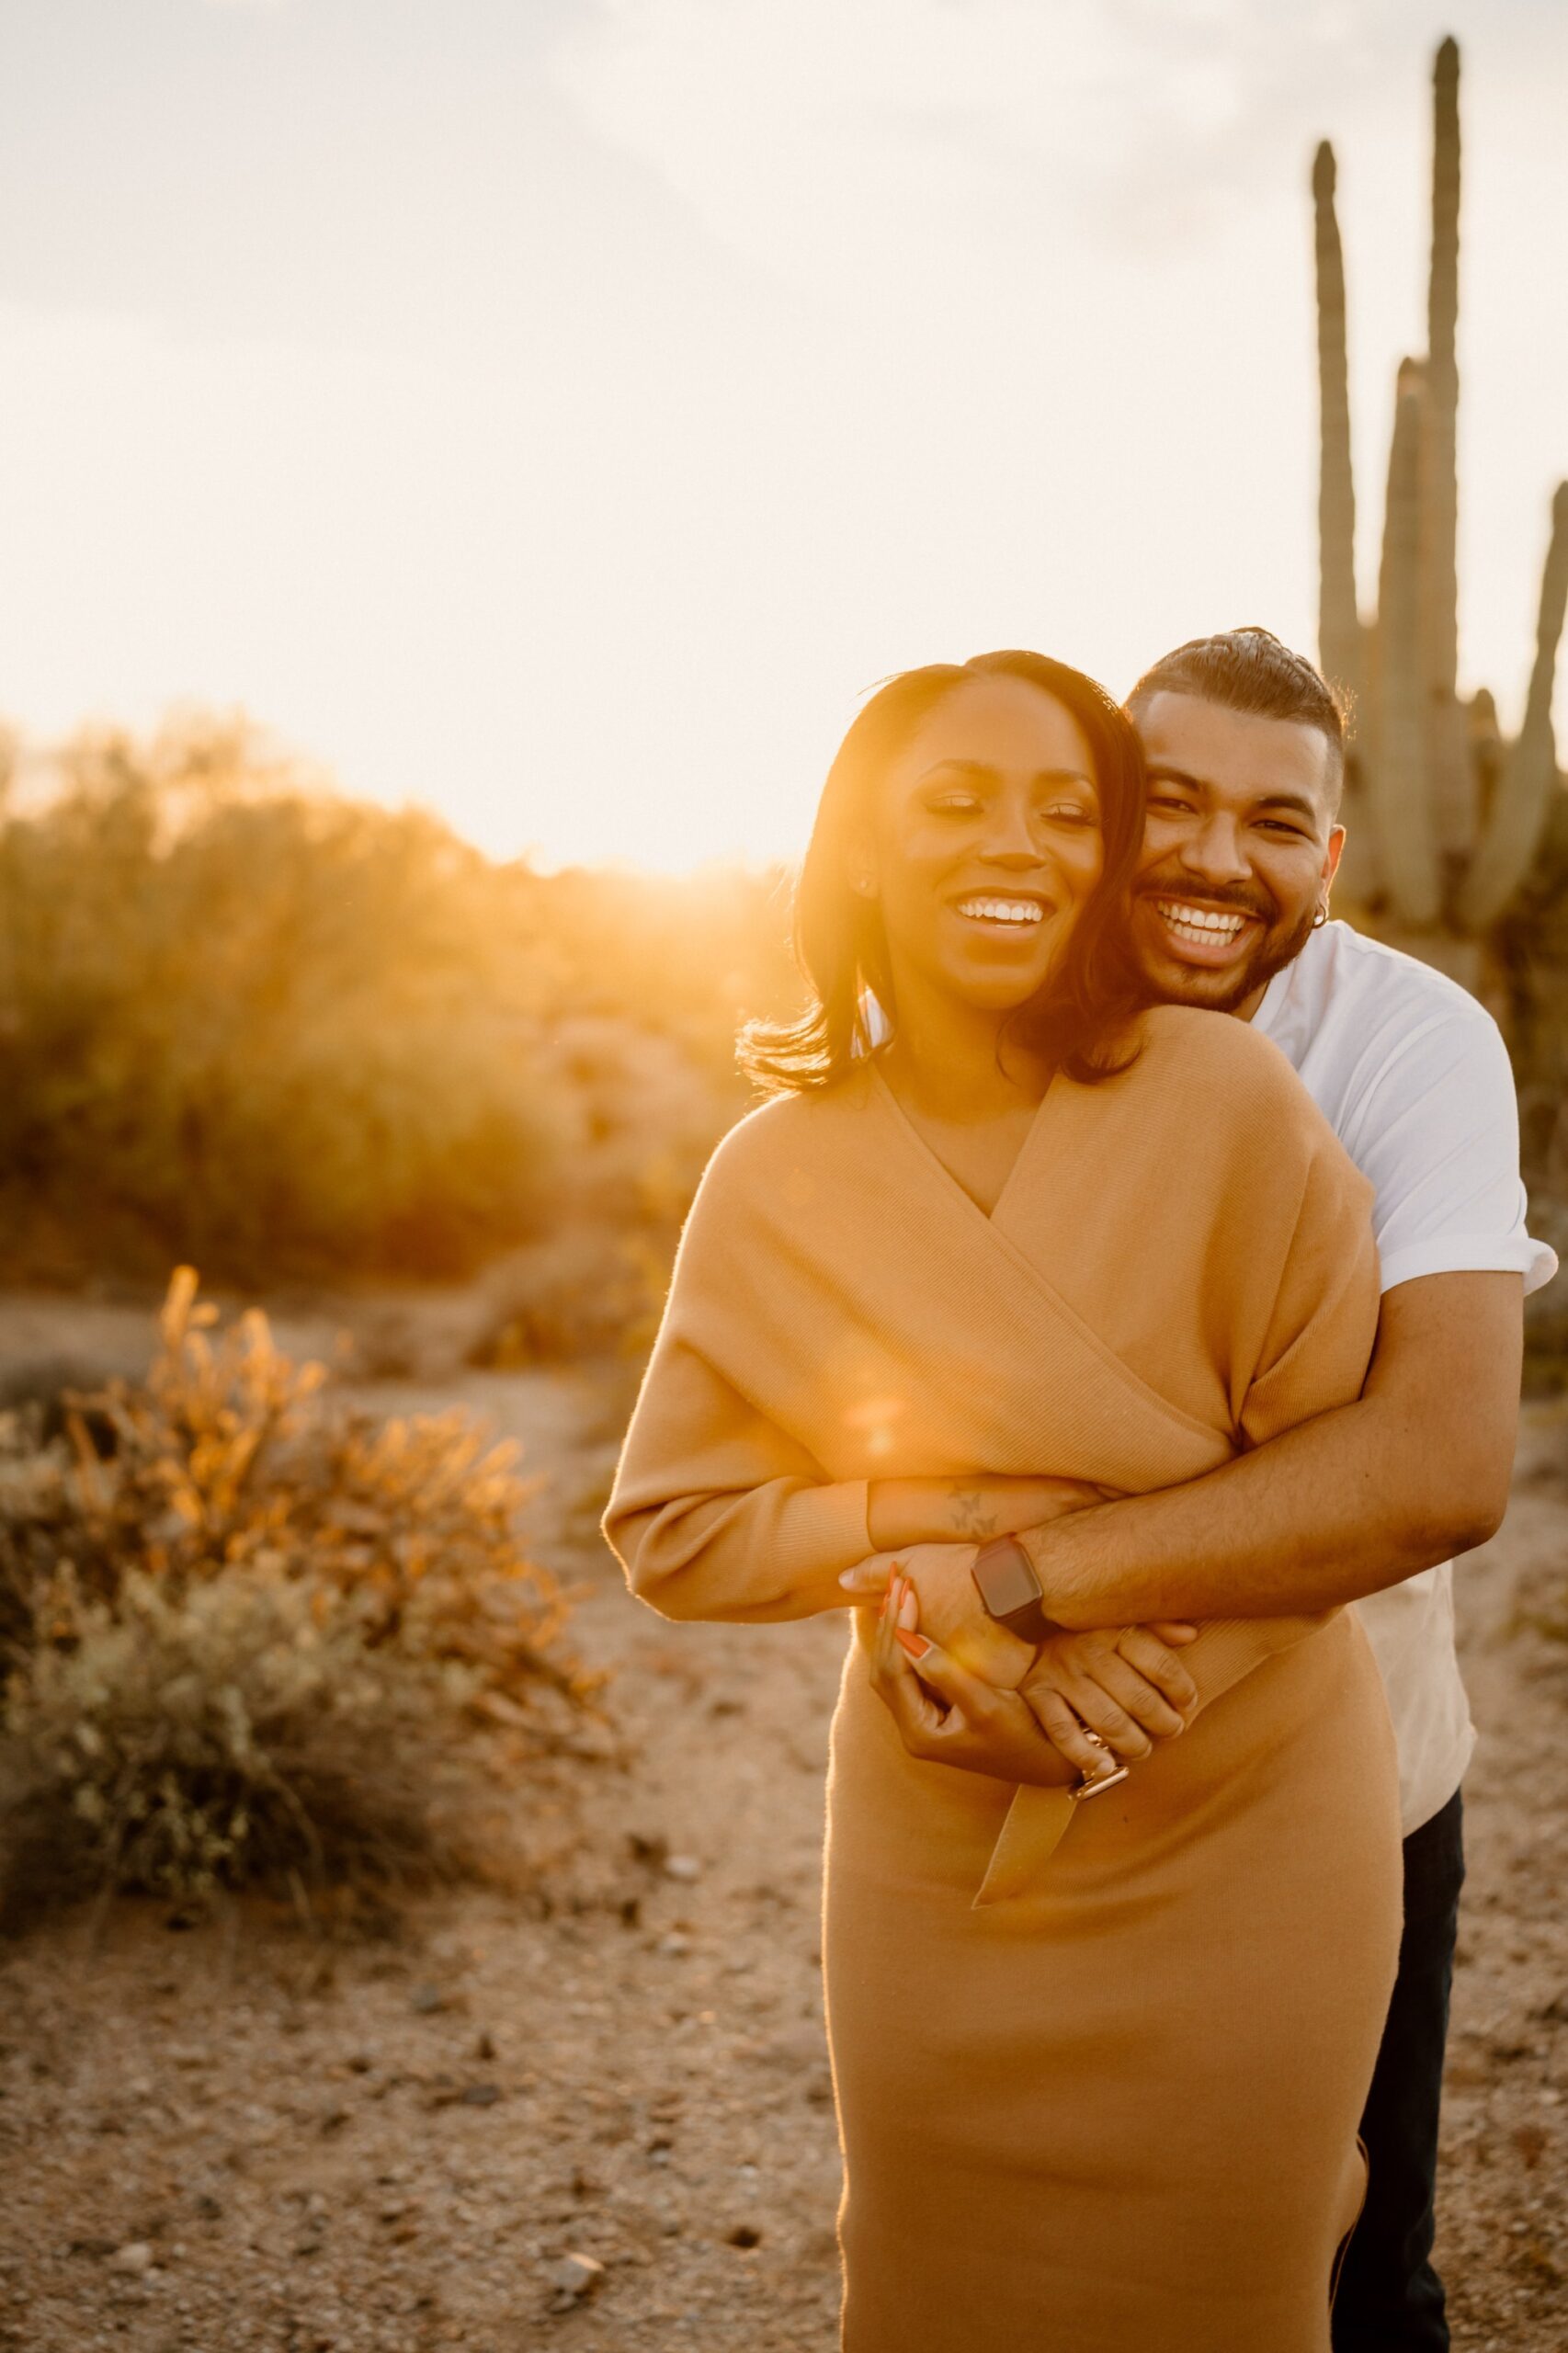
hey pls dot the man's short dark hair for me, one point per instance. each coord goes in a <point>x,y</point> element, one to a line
<point>1249,670</point>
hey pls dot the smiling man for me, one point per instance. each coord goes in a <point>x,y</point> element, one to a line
<point>1245,756</point>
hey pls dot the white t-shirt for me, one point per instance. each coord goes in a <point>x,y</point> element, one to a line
<point>1414,1077</point>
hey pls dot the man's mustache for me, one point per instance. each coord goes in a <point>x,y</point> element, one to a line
<point>1181,888</point>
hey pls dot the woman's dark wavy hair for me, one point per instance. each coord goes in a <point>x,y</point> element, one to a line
<point>1079,1019</point>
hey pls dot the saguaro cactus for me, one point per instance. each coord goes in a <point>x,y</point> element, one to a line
<point>1446,823</point>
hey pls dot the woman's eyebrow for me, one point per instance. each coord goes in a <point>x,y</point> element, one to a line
<point>984,773</point>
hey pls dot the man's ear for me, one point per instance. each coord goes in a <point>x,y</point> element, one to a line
<point>1332,857</point>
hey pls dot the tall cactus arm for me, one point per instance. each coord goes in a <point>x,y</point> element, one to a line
<point>1525,789</point>
<point>1452,785</point>
<point>1402,810</point>
<point>1339,627</point>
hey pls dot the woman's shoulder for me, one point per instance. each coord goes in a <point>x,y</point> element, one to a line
<point>1182,1042</point>
<point>1222,1072</point>
<point>783,1136</point>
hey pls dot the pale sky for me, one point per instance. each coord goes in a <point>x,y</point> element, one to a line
<point>561,412</point>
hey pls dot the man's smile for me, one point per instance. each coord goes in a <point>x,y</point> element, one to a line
<point>1197,934</point>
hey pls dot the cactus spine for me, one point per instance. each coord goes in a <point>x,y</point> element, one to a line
<point>1450,819</point>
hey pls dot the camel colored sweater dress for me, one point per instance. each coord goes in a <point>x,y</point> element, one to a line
<point>1098,2069</point>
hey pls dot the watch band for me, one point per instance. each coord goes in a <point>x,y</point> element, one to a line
<point>1008,1585</point>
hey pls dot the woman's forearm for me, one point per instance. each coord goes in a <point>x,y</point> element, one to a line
<point>971,1510</point>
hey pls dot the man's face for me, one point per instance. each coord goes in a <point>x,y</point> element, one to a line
<point>1240,845</point>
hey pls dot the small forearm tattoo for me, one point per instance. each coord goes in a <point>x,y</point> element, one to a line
<point>972,1514</point>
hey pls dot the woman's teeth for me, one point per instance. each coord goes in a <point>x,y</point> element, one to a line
<point>1019,911</point>
<point>1203,923</point>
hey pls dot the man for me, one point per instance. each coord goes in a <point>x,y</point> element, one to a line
<point>1370,1503</point>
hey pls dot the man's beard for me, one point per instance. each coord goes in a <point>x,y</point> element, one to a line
<point>1274,951</point>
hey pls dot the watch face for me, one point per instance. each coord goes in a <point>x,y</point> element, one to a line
<point>1005,1578</point>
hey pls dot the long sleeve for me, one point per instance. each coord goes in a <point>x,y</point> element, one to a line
<point>716,1513</point>
<point>718,1510</point>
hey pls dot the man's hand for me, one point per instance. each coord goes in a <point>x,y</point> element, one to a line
<point>951,1611</point>
<point>1130,1687</point>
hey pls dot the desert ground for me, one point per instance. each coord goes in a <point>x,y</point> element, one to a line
<point>594,2112</point>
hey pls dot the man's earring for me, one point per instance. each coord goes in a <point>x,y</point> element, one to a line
<point>1322,915</point>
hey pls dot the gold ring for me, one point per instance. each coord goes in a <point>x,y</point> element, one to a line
<point>1093,1783</point>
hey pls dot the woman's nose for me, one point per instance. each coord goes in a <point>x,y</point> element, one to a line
<point>1010,839</point>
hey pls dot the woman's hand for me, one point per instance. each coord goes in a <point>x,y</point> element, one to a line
<point>948,1716</point>
<point>951,1611</point>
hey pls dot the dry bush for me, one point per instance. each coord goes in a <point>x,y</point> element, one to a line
<point>260,1637</point>
<point>249,1023</point>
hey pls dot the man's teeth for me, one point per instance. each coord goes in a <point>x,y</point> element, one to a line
<point>1199,923</point>
<point>1021,911</point>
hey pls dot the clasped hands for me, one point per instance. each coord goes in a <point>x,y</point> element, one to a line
<point>965,1691</point>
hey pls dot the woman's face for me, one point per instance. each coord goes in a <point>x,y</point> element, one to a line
<point>985,842</point>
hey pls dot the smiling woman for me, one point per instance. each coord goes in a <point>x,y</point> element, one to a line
<point>1029,1243</point>
<point>988,816</point>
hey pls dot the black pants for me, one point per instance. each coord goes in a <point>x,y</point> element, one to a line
<point>1391,2300</point>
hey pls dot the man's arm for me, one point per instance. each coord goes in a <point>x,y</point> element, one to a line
<point>1412,1472</point>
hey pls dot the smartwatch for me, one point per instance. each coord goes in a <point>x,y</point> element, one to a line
<point>1005,1580</point>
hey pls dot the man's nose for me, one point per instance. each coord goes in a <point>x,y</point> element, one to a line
<point>1214,851</point>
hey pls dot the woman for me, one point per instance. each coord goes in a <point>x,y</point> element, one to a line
<point>1098,2068</point>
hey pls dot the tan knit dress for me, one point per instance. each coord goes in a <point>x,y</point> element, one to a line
<point>1098,2070</point>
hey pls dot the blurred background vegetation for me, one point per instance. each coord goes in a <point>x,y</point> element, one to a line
<point>251,1024</point>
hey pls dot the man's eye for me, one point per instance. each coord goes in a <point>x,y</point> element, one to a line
<point>1169,801</point>
<point>1279,826</point>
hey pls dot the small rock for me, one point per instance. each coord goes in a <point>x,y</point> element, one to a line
<point>482,2094</point>
<point>485,2046</point>
<point>136,2256</point>
<point>574,2278</point>
<point>745,2235</point>
<point>426,2000</point>
<point>684,1867</point>
<point>674,1946</point>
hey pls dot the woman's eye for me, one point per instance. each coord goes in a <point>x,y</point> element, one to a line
<point>1071,812</point>
<point>959,804</point>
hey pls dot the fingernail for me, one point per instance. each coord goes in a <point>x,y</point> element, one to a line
<point>908,1607</point>
<point>915,1644</point>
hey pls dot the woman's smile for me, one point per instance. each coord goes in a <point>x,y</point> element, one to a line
<point>1004,912</point>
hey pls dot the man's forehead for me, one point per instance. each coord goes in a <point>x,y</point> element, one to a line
<point>1236,752</point>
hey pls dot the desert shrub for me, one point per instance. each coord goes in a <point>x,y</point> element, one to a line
<point>250,1633</point>
<point>249,1023</point>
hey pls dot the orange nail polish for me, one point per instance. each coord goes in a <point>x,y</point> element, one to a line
<point>915,1644</point>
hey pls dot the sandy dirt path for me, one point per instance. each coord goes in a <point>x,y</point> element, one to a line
<point>237,2136</point>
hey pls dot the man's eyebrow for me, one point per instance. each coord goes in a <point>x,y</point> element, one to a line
<point>1162,772</point>
<point>1296,801</point>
